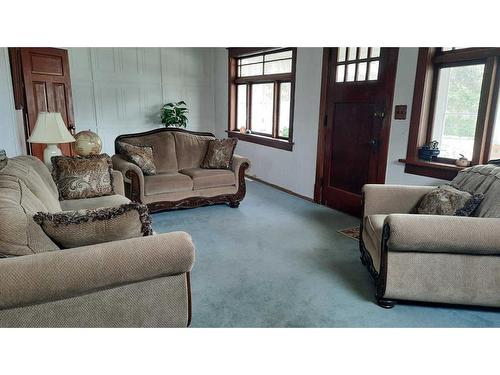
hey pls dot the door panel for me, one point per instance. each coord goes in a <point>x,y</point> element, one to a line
<point>358,103</point>
<point>47,83</point>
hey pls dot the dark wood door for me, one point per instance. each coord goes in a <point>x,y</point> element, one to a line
<point>47,87</point>
<point>357,123</point>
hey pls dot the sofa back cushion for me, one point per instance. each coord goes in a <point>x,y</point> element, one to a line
<point>191,149</point>
<point>481,179</point>
<point>164,152</point>
<point>26,187</point>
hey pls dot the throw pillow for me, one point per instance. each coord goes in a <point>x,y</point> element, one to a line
<point>446,200</point>
<point>142,156</point>
<point>219,154</point>
<point>70,229</point>
<point>83,177</point>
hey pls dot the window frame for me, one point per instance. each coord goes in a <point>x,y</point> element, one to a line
<point>274,139</point>
<point>430,62</point>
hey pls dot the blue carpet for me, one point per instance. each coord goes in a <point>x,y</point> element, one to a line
<point>278,261</point>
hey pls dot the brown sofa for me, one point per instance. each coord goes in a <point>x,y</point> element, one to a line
<point>180,182</point>
<point>433,258</point>
<point>138,282</point>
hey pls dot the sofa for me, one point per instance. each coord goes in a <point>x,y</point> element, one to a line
<point>180,182</point>
<point>137,282</point>
<point>433,258</point>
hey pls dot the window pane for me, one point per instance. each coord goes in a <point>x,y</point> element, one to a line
<point>340,73</point>
<point>251,60</point>
<point>363,52</point>
<point>262,108</point>
<point>456,107</point>
<point>251,70</point>
<point>351,53</point>
<point>278,56</point>
<point>241,110</point>
<point>276,67</point>
<point>285,95</point>
<point>351,70</point>
<point>361,76</point>
<point>375,52</point>
<point>373,73</point>
<point>341,54</point>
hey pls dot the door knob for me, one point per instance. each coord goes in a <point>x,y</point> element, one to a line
<point>373,143</point>
<point>379,114</point>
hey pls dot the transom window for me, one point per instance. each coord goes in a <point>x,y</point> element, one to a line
<point>357,64</point>
<point>261,95</point>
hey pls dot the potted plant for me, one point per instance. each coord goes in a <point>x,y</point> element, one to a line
<point>174,114</point>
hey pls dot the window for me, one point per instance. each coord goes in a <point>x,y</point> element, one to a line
<point>261,88</point>
<point>357,64</point>
<point>455,103</point>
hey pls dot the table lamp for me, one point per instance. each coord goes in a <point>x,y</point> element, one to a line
<point>51,130</point>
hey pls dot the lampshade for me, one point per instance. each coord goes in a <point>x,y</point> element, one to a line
<point>50,128</point>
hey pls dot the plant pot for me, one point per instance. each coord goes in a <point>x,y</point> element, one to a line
<point>427,154</point>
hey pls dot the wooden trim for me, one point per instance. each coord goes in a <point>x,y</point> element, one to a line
<point>190,300</point>
<point>441,171</point>
<point>262,140</point>
<point>465,54</point>
<point>320,153</point>
<point>490,126</point>
<point>254,178</point>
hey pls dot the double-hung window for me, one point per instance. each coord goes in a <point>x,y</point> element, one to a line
<point>261,92</point>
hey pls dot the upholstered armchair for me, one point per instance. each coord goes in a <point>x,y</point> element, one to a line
<point>432,258</point>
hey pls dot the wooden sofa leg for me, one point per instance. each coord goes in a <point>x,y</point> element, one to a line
<point>385,303</point>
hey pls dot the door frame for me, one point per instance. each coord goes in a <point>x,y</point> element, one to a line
<point>323,123</point>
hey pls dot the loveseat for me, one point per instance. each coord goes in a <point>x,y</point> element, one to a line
<point>179,182</point>
<point>433,258</point>
<point>137,282</point>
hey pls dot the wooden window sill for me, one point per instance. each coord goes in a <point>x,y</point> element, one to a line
<point>431,169</point>
<point>262,140</point>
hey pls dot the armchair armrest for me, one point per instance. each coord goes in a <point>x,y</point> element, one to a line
<point>132,175</point>
<point>118,182</point>
<point>443,234</point>
<point>61,274</point>
<point>389,199</point>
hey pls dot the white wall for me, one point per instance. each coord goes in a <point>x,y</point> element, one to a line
<point>10,139</point>
<point>121,90</point>
<point>295,170</point>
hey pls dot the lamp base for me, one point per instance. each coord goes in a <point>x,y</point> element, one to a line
<point>50,150</point>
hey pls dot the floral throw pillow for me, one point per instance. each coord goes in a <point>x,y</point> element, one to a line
<point>142,156</point>
<point>83,176</point>
<point>219,154</point>
<point>446,200</point>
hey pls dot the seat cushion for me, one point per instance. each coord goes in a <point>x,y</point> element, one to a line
<point>92,203</point>
<point>372,237</point>
<point>167,183</point>
<point>210,178</point>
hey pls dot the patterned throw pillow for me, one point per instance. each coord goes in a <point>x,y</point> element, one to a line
<point>83,176</point>
<point>142,156</point>
<point>446,200</point>
<point>219,154</point>
<point>70,229</point>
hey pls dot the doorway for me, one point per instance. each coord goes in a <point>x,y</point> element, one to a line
<point>355,116</point>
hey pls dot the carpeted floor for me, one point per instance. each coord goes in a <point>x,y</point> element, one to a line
<point>278,261</point>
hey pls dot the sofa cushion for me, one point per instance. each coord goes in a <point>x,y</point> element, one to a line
<point>164,152</point>
<point>219,154</point>
<point>167,183</point>
<point>209,178</point>
<point>92,203</point>
<point>190,149</point>
<point>71,229</point>
<point>142,156</point>
<point>446,200</point>
<point>83,177</point>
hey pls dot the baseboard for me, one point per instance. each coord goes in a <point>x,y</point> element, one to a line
<point>253,178</point>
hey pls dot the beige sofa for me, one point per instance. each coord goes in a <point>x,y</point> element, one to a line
<point>138,282</point>
<point>430,258</point>
<point>180,182</point>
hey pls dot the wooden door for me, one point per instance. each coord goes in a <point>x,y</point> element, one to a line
<point>356,125</point>
<point>47,87</point>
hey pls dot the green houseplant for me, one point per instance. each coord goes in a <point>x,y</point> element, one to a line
<point>175,114</point>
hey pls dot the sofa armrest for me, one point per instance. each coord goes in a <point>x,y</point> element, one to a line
<point>62,274</point>
<point>118,186</point>
<point>389,199</point>
<point>238,161</point>
<point>132,175</point>
<point>443,234</point>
